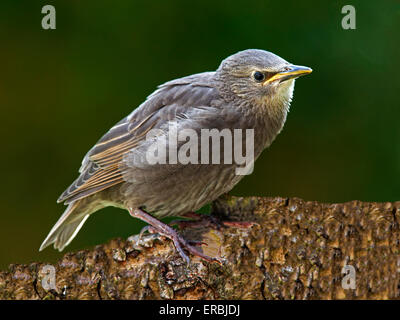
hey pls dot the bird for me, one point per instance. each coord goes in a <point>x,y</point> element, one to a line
<point>250,90</point>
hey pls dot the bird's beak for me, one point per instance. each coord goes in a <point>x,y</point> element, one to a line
<point>290,72</point>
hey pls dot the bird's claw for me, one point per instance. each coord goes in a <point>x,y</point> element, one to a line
<point>165,230</point>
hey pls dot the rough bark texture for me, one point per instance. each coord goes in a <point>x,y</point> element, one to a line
<point>296,250</point>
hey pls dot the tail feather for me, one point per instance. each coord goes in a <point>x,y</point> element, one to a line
<point>67,227</point>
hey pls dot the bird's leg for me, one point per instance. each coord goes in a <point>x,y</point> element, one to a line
<point>147,228</point>
<point>165,230</point>
<point>151,229</point>
<point>239,224</point>
<point>199,221</point>
<point>192,215</point>
<point>203,220</point>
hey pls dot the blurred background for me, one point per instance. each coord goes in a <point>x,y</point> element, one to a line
<point>60,90</point>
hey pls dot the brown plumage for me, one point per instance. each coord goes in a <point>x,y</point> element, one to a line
<point>251,89</point>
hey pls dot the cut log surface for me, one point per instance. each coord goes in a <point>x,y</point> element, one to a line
<point>294,250</point>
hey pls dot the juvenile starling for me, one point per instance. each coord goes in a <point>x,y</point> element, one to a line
<point>251,89</point>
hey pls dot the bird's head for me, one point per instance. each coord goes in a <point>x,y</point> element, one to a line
<point>259,77</point>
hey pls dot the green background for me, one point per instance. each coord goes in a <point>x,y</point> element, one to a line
<point>60,90</point>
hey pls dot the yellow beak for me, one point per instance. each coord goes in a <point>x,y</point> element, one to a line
<point>292,72</point>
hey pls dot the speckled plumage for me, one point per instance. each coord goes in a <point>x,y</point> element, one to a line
<point>230,98</point>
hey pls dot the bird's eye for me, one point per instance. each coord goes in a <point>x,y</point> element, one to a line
<point>259,76</point>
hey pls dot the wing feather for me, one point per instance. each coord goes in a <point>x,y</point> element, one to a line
<point>101,166</point>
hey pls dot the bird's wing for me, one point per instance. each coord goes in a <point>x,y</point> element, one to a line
<point>101,166</point>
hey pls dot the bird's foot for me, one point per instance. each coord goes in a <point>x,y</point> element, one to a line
<point>239,224</point>
<point>203,221</point>
<point>198,221</point>
<point>148,229</point>
<point>165,230</point>
<point>154,230</point>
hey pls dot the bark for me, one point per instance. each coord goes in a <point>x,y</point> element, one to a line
<point>295,250</point>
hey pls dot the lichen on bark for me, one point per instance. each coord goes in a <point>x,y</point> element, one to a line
<point>294,250</point>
